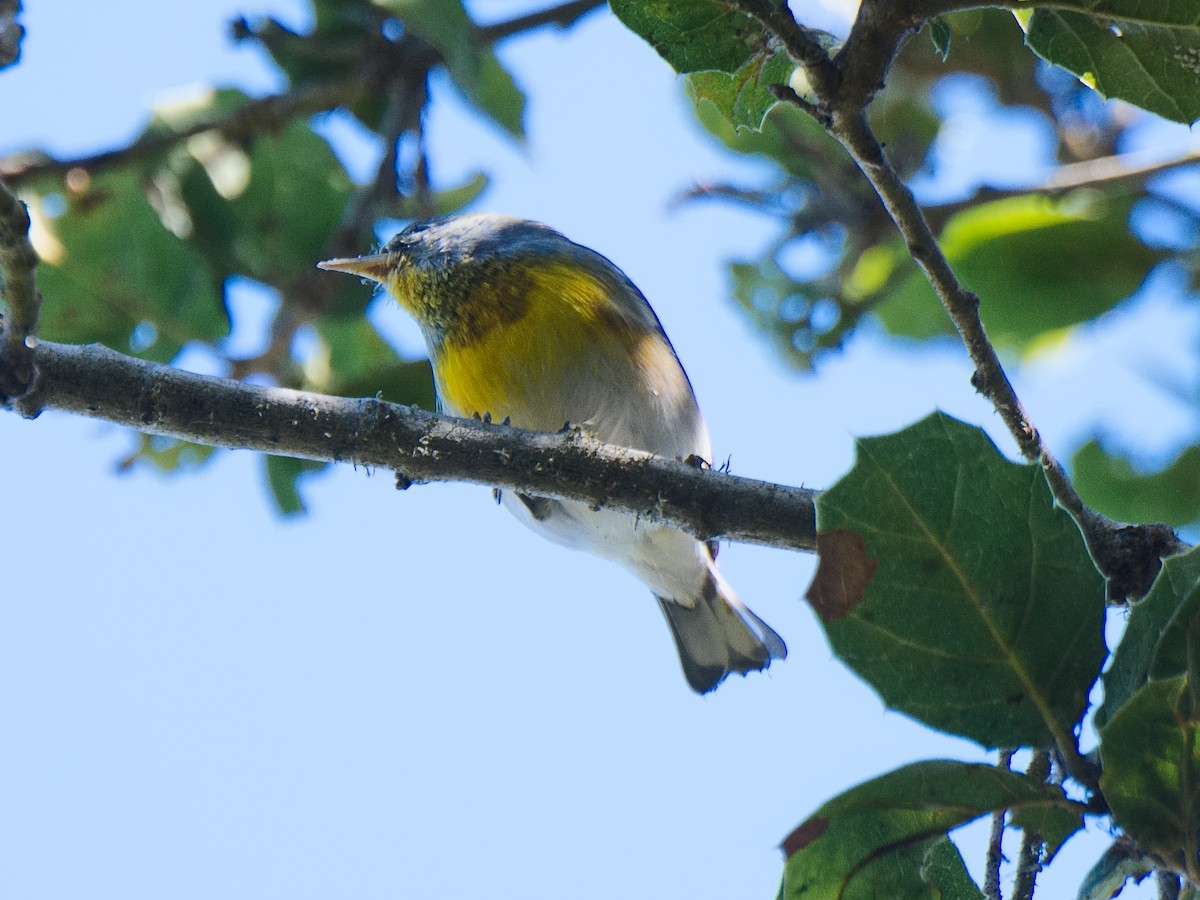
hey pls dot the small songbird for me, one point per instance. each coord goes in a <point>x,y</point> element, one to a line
<point>524,325</point>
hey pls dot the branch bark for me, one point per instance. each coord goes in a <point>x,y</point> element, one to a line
<point>103,384</point>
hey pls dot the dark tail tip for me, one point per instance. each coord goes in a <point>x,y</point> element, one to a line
<point>717,636</point>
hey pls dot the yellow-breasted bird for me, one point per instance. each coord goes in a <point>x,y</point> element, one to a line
<point>523,324</point>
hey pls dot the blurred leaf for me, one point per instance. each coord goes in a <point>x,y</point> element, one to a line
<point>440,203</point>
<point>1150,751</point>
<point>168,454</point>
<point>788,137</point>
<point>1148,620</point>
<point>292,202</point>
<point>694,35</point>
<point>361,364</point>
<point>883,838</point>
<point>985,615</point>
<point>336,45</point>
<point>1109,483</point>
<point>283,476</point>
<point>939,33</point>
<point>1145,54</point>
<point>1118,864</point>
<point>743,97</point>
<point>985,42</point>
<point>1036,263</point>
<point>120,277</point>
<point>802,317</point>
<point>446,26</point>
<point>263,210</point>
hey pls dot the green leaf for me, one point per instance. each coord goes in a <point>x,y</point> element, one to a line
<point>694,35</point>
<point>882,838</point>
<point>1147,54</point>
<point>1109,483</point>
<point>440,203</point>
<point>117,275</point>
<point>283,476</point>
<point>1120,862</point>
<point>943,869</point>
<point>1150,751</point>
<point>446,26</point>
<point>169,454</point>
<point>1036,263</point>
<point>743,97</point>
<point>356,362</point>
<point>789,137</point>
<point>262,209</point>
<point>1148,621</point>
<point>939,33</point>
<point>977,609</point>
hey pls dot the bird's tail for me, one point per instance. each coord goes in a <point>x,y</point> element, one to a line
<point>718,635</point>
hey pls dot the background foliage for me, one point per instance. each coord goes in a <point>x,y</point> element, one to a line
<point>141,247</point>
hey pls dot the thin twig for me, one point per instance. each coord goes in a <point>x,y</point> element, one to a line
<point>1029,858</point>
<point>254,115</point>
<point>995,848</point>
<point>563,16</point>
<point>1104,170</point>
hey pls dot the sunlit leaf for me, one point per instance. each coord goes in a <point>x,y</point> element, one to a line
<point>1036,263</point>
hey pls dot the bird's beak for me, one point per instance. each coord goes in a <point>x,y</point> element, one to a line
<point>375,267</point>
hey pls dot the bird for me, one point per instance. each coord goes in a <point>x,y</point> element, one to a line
<point>523,325</point>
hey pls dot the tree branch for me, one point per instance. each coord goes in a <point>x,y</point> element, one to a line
<point>254,115</point>
<point>97,382</point>
<point>1098,172</point>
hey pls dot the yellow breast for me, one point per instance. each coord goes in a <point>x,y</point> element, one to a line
<point>539,368</point>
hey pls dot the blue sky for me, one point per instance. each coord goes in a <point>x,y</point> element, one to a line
<point>409,694</point>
